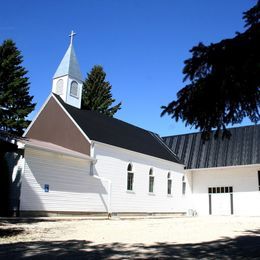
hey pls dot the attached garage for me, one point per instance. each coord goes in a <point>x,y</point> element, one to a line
<point>221,201</point>
<point>223,173</point>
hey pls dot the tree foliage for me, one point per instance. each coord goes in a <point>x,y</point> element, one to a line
<point>96,94</point>
<point>15,101</point>
<point>223,81</point>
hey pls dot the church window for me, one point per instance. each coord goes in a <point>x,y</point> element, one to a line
<point>151,181</point>
<point>59,87</point>
<point>169,184</point>
<point>183,186</point>
<point>258,180</point>
<point>74,89</point>
<point>130,177</point>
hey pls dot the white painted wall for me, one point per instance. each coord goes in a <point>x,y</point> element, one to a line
<point>112,163</point>
<point>71,186</point>
<point>246,196</point>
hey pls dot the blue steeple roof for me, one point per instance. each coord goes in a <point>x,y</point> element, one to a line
<point>69,65</point>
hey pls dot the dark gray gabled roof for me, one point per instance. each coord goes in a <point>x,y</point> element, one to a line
<point>108,130</point>
<point>243,148</point>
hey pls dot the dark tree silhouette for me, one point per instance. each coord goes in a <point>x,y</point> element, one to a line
<point>223,81</point>
<point>96,93</point>
<point>15,101</point>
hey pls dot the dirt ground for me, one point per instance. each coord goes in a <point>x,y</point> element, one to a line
<point>183,237</point>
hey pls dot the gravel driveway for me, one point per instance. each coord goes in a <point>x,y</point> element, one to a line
<point>184,237</point>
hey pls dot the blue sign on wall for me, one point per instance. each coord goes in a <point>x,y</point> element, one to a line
<point>46,187</point>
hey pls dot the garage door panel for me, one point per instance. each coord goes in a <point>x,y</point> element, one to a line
<point>220,200</point>
<point>220,204</point>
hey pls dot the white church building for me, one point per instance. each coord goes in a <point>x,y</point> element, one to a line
<point>77,161</point>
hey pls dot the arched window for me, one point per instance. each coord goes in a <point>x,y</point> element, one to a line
<point>129,167</point>
<point>151,181</point>
<point>74,89</point>
<point>183,186</point>
<point>169,184</point>
<point>130,177</point>
<point>59,87</point>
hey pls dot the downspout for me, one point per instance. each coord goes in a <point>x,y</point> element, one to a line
<point>109,182</point>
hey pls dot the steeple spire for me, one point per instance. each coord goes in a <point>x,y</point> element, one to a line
<point>68,80</point>
<point>69,64</point>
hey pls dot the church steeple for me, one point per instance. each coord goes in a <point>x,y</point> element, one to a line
<point>67,80</point>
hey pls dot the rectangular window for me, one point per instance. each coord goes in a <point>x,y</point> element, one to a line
<point>130,180</point>
<point>183,188</point>
<point>169,188</point>
<point>151,183</point>
<point>258,180</point>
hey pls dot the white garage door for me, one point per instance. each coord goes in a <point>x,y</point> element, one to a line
<point>221,201</point>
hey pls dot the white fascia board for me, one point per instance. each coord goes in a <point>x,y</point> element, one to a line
<point>31,124</point>
<point>223,167</point>
<point>141,154</point>
<point>74,122</point>
<point>72,154</point>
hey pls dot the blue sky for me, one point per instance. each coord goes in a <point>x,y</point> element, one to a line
<point>140,43</point>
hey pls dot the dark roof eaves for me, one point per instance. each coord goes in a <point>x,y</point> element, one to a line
<point>161,142</point>
<point>171,157</point>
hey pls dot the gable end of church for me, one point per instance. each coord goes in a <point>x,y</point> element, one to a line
<point>53,125</point>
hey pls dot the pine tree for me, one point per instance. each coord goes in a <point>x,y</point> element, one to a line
<point>96,93</point>
<point>223,81</point>
<point>15,101</point>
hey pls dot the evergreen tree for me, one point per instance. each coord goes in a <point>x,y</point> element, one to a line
<point>96,94</point>
<point>15,101</point>
<point>223,81</point>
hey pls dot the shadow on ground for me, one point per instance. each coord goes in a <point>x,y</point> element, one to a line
<point>9,232</point>
<point>242,247</point>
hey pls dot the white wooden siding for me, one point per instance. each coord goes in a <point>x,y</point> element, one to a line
<point>112,163</point>
<point>71,188</point>
<point>246,195</point>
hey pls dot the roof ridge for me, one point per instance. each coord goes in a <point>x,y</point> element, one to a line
<point>195,133</point>
<point>105,116</point>
<point>119,133</point>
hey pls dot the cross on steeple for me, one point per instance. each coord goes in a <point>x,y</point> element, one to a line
<point>71,36</point>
